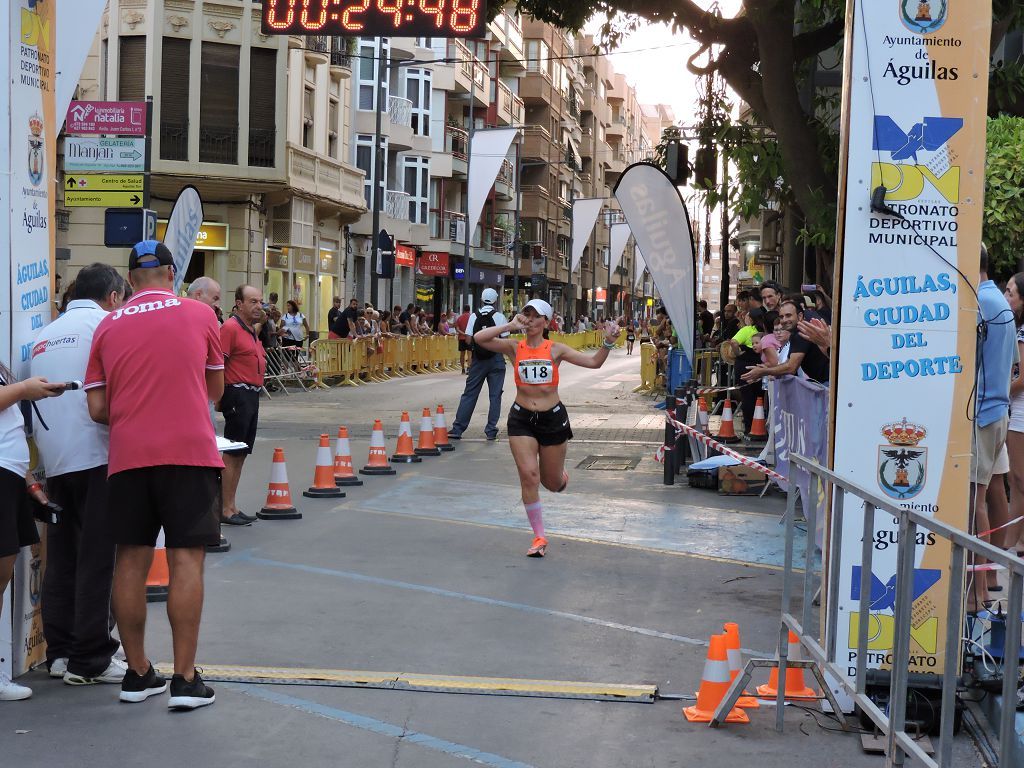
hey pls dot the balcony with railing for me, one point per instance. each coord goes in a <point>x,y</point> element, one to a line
<point>447,225</point>
<point>617,127</point>
<point>512,54</point>
<point>341,58</point>
<point>318,49</point>
<point>325,178</point>
<point>470,73</point>
<point>396,204</point>
<point>400,118</point>
<point>504,184</point>
<point>262,142</point>
<point>218,144</point>
<point>536,201</point>
<point>174,140</point>
<point>537,143</point>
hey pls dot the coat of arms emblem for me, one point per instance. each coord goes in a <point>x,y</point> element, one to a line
<point>36,159</point>
<point>902,462</point>
<point>923,16</point>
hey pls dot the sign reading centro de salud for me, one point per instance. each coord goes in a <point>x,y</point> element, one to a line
<point>116,118</point>
<point>915,88</point>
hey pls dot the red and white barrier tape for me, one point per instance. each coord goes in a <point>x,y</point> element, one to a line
<point>1000,527</point>
<point>712,443</point>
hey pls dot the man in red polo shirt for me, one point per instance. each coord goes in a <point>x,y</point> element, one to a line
<point>245,362</point>
<point>154,364</point>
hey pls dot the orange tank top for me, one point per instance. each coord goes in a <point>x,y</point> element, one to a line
<point>534,366</point>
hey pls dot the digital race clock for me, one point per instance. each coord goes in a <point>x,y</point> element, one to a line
<point>375,18</point>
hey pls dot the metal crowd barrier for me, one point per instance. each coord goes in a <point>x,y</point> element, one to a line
<point>823,659</point>
<point>290,365</point>
<point>352,362</point>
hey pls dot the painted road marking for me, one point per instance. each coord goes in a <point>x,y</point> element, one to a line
<point>249,558</point>
<point>381,727</point>
<point>747,537</point>
<point>410,681</point>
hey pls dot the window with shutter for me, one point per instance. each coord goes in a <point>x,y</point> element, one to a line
<point>174,72</point>
<point>218,104</point>
<point>131,69</point>
<point>262,106</point>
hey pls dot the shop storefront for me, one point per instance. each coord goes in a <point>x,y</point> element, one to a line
<point>328,283</point>
<point>303,263</point>
<point>433,290</point>
<point>212,239</point>
<point>405,275</point>
<point>479,279</point>
<point>275,278</point>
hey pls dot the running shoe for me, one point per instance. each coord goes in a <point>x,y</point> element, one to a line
<point>136,687</point>
<point>539,548</point>
<point>114,673</point>
<point>189,694</point>
<point>11,691</point>
<point>250,518</point>
<point>235,519</point>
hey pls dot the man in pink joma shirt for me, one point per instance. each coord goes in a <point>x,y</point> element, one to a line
<point>154,365</point>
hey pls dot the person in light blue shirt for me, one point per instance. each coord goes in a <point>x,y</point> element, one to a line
<point>996,335</point>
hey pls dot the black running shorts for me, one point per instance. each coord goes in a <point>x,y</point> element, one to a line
<point>465,346</point>
<point>17,527</point>
<point>546,427</point>
<point>241,409</point>
<point>184,501</point>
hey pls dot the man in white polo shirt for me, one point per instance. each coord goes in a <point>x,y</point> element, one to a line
<point>154,365</point>
<point>73,449</point>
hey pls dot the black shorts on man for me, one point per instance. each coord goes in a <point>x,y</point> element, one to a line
<point>241,409</point>
<point>184,501</point>
<point>546,427</point>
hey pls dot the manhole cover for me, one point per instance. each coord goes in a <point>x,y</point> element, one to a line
<point>610,463</point>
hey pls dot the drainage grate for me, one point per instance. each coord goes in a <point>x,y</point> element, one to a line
<point>610,463</point>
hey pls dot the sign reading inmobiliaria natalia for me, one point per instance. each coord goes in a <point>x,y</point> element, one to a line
<point>915,99</point>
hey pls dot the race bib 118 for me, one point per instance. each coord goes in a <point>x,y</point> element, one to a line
<point>535,371</point>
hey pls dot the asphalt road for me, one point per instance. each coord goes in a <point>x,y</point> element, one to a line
<point>424,573</point>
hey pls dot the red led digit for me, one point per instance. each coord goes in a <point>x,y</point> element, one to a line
<point>434,8</point>
<point>394,7</point>
<point>274,12</point>
<point>347,17</point>
<point>464,15</point>
<point>318,21</point>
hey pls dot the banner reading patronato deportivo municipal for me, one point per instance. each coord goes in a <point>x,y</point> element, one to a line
<point>915,98</point>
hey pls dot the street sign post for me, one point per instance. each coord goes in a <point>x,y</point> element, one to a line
<point>104,154</point>
<point>117,118</point>
<point>102,199</point>
<point>105,182</point>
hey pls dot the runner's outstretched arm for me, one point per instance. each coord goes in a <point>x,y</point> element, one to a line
<point>567,354</point>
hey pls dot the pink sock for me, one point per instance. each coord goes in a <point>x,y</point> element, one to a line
<point>534,512</point>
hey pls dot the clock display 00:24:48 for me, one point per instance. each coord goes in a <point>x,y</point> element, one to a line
<point>373,18</point>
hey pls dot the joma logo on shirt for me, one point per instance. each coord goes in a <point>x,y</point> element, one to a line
<point>146,306</point>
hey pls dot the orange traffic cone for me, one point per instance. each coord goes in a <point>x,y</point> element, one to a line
<point>795,686</point>
<point>758,428</point>
<point>441,430</point>
<point>343,474</point>
<point>323,486</point>
<point>279,495</point>
<point>377,463</point>
<point>702,415</point>
<point>158,579</point>
<point>727,432</point>
<point>405,453</point>
<point>732,650</point>
<point>426,445</point>
<point>713,685</point>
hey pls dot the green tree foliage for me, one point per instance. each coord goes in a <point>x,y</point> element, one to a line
<point>1004,195</point>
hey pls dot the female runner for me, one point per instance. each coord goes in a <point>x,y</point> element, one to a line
<point>538,425</point>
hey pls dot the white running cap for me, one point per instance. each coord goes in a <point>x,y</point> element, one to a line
<point>489,296</point>
<point>540,306</point>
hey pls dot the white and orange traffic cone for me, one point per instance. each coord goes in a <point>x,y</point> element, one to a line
<point>343,473</point>
<point>758,428</point>
<point>279,495</point>
<point>713,685</point>
<point>441,430</point>
<point>405,453</point>
<point>426,445</point>
<point>323,486</point>
<point>727,432</point>
<point>702,415</point>
<point>732,650</point>
<point>796,688</point>
<point>377,463</point>
<point>158,579</point>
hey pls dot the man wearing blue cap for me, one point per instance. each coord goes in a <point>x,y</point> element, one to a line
<point>155,362</point>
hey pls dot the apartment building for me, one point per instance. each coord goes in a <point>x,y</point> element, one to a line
<point>435,90</point>
<point>254,122</point>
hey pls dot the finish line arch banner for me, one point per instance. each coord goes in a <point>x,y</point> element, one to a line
<point>915,96</point>
<point>661,228</point>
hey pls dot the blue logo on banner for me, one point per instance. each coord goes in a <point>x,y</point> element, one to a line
<point>930,134</point>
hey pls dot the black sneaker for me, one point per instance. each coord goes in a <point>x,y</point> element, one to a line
<point>250,518</point>
<point>189,695</point>
<point>136,687</point>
